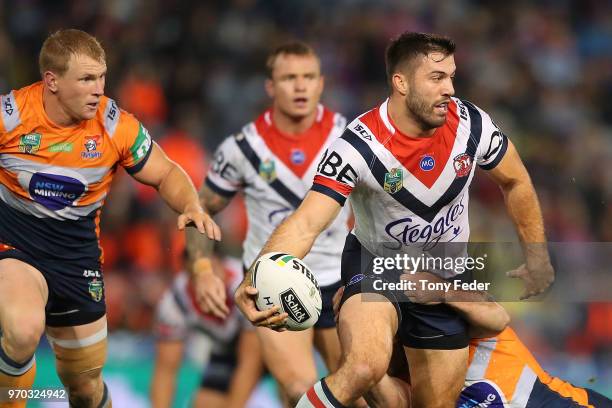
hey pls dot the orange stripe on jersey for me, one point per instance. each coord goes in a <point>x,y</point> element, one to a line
<point>341,188</point>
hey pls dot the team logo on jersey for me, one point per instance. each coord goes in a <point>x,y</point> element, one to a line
<point>462,164</point>
<point>96,290</point>
<point>91,147</point>
<point>298,156</point>
<point>427,163</point>
<point>30,143</point>
<point>267,170</point>
<point>394,181</point>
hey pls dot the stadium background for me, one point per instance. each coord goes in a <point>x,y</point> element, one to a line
<point>193,73</point>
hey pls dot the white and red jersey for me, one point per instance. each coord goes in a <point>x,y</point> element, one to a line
<point>276,171</point>
<point>409,192</point>
<point>178,313</point>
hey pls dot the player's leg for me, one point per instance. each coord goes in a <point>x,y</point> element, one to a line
<point>248,371</point>
<point>366,326</point>
<point>80,354</point>
<point>289,358</point>
<point>325,334</point>
<point>217,376</point>
<point>436,372</point>
<point>23,295</point>
<point>168,357</point>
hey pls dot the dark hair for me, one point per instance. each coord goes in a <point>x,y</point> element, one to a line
<point>59,46</point>
<point>409,45</point>
<point>290,48</point>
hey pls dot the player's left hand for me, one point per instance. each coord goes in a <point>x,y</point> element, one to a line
<point>423,296</point>
<point>194,215</point>
<point>537,276</point>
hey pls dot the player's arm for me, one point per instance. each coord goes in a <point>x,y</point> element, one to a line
<point>248,370</point>
<point>209,288</point>
<point>294,236</point>
<point>524,209</point>
<point>486,317</point>
<point>177,190</point>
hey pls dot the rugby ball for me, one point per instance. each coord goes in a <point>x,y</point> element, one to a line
<point>286,281</point>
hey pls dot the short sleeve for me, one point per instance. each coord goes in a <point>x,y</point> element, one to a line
<point>493,144</point>
<point>133,142</point>
<point>226,175</point>
<point>338,170</point>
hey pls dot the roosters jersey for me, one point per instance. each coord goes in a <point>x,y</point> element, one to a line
<point>178,313</point>
<point>53,180</point>
<point>502,373</point>
<point>410,192</point>
<point>276,171</point>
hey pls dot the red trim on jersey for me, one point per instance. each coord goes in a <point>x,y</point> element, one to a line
<point>314,398</point>
<point>410,150</point>
<point>340,188</point>
<point>303,146</point>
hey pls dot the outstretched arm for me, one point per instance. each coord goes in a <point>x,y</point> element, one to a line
<point>524,209</point>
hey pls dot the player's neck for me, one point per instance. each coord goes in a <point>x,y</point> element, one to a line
<point>292,126</point>
<point>403,119</point>
<point>55,112</point>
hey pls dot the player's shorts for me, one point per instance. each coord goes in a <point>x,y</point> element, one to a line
<point>326,320</point>
<point>76,291</point>
<point>218,372</point>
<point>420,326</point>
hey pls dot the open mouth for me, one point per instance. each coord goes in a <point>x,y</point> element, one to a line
<point>441,108</point>
<point>300,101</point>
<point>93,105</point>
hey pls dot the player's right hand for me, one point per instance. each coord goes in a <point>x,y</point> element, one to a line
<point>537,276</point>
<point>209,289</point>
<point>245,300</point>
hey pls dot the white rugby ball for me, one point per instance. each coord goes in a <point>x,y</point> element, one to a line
<point>286,281</point>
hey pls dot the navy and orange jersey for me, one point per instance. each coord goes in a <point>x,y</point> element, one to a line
<point>53,179</point>
<point>503,373</point>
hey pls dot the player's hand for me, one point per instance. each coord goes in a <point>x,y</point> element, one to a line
<point>209,289</point>
<point>245,300</point>
<point>336,302</point>
<point>195,215</point>
<point>423,296</point>
<point>537,276</point>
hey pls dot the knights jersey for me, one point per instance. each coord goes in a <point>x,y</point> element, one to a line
<point>276,171</point>
<point>178,313</point>
<point>53,179</point>
<point>410,192</point>
<point>502,373</point>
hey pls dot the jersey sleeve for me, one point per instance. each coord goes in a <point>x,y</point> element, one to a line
<point>339,170</point>
<point>132,140</point>
<point>493,144</point>
<point>226,173</point>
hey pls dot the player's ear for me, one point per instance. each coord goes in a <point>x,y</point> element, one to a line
<point>400,83</point>
<point>269,88</point>
<point>50,81</point>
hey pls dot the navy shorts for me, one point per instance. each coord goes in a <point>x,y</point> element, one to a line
<point>326,320</point>
<point>420,326</point>
<point>220,368</point>
<point>76,290</point>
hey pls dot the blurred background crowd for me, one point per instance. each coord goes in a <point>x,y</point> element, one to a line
<point>193,73</point>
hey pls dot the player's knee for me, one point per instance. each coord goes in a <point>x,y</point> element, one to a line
<point>365,375</point>
<point>20,338</point>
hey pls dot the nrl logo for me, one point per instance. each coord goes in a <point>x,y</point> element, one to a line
<point>96,290</point>
<point>29,143</point>
<point>394,181</point>
<point>267,170</point>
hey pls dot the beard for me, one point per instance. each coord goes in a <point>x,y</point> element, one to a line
<point>423,112</point>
